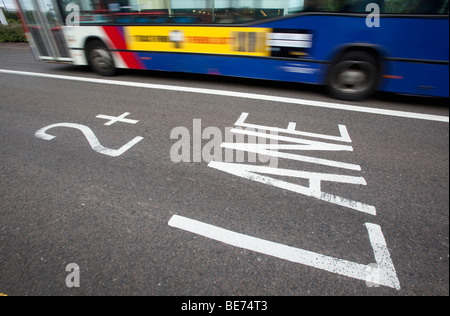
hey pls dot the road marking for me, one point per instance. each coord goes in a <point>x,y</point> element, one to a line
<point>90,136</point>
<point>114,119</point>
<point>250,172</point>
<point>314,188</point>
<point>344,135</point>
<point>311,103</point>
<point>307,144</point>
<point>384,274</point>
<point>267,150</point>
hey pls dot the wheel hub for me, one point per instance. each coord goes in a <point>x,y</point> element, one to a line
<point>352,76</point>
<point>101,59</point>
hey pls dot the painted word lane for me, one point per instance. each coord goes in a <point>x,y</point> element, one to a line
<point>268,142</point>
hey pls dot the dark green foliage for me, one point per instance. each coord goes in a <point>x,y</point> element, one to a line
<point>12,32</point>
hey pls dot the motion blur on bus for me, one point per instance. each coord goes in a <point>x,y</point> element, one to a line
<point>354,47</point>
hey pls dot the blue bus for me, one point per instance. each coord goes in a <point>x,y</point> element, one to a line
<point>354,47</point>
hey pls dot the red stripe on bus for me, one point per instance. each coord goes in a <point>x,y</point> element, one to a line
<point>115,34</point>
<point>131,60</point>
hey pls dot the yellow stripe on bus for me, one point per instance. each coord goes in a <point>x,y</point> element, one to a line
<point>206,40</point>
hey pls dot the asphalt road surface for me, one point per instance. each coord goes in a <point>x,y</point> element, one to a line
<point>349,199</point>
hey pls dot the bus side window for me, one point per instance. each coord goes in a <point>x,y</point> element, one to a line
<point>359,6</point>
<point>445,10</point>
<point>313,6</point>
<point>416,7</point>
<point>431,6</point>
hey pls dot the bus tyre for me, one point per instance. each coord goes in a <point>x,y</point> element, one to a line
<point>353,77</point>
<point>100,58</point>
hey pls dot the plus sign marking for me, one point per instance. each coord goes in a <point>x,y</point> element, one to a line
<point>114,119</point>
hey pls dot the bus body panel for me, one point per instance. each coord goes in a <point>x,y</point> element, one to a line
<point>407,52</point>
<point>415,60</point>
<point>399,37</point>
<point>417,79</point>
<point>413,51</point>
<point>245,67</point>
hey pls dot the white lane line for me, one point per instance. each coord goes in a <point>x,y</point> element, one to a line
<point>311,103</point>
<point>384,273</point>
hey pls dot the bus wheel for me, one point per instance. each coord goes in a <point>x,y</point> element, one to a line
<point>354,77</point>
<point>100,59</point>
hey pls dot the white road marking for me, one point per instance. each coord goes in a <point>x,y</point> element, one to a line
<point>313,189</point>
<point>344,135</point>
<point>90,136</point>
<point>250,172</point>
<point>307,144</point>
<point>114,119</point>
<point>385,271</point>
<point>266,150</point>
<point>235,94</point>
<point>385,265</point>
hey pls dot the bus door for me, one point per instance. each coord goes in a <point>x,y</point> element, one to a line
<point>43,23</point>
